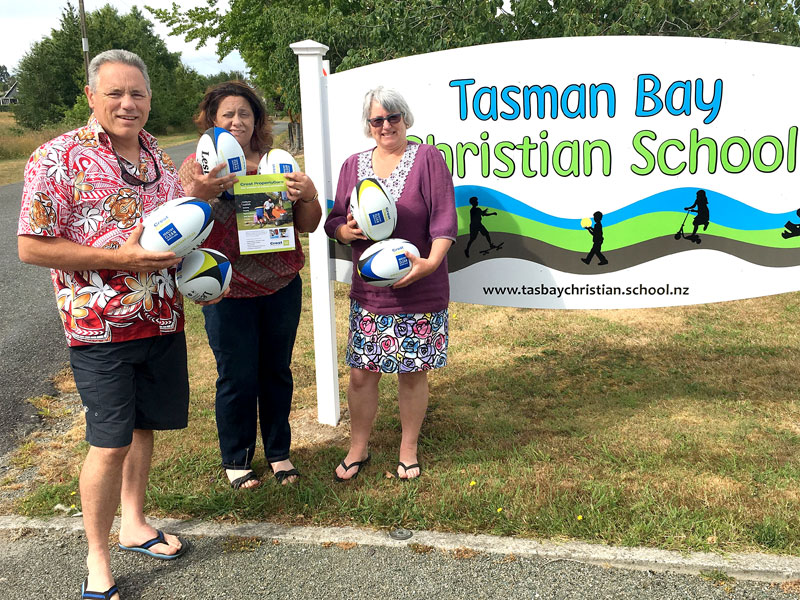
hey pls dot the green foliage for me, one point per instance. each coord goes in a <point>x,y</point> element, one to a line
<point>6,79</point>
<point>756,20</point>
<point>360,32</point>
<point>51,75</point>
<point>77,115</point>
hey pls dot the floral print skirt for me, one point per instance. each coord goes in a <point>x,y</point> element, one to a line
<point>400,343</point>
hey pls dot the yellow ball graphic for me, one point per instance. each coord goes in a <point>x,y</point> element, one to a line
<point>586,222</point>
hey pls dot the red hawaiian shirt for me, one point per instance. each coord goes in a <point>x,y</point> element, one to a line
<point>73,189</point>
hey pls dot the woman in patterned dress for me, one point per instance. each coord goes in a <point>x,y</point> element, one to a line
<point>403,328</point>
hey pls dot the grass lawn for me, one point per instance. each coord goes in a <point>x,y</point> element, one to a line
<point>674,428</point>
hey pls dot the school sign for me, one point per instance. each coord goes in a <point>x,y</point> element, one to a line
<point>604,172</point>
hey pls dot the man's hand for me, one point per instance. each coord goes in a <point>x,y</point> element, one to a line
<point>132,257</point>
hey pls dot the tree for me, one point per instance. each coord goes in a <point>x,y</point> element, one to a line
<point>6,80</point>
<point>51,74</point>
<point>360,32</point>
<point>754,20</point>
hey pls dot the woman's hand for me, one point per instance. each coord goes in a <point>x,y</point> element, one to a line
<point>207,187</point>
<point>299,186</point>
<point>422,267</point>
<point>350,231</point>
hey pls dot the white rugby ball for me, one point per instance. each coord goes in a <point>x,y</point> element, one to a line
<point>178,226</point>
<point>204,275</point>
<point>218,146</point>
<point>277,161</point>
<point>374,209</point>
<point>385,262</point>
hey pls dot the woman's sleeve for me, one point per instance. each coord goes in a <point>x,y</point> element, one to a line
<point>438,186</point>
<point>341,204</point>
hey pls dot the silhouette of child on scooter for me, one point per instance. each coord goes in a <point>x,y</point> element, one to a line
<point>700,207</point>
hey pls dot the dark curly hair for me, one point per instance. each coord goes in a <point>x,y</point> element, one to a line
<point>262,127</point>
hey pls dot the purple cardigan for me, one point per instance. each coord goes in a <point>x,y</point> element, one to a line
<point>426,210</point>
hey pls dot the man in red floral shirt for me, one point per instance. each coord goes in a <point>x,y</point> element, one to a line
<point>84,197</point>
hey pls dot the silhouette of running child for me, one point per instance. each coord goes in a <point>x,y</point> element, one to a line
<point>702,218</point>
<point>476,215</point>
<point>597,238</point>
<point>794,228</point>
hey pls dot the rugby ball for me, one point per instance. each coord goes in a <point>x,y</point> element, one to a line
<point>385,262</point>
<point>178,226</point>
<point>218,146</point>
<point>277,161</point>
<point>204,275</point>
<point>374,209</point>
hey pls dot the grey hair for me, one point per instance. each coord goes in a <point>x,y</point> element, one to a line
<point>391,100</point>
<point>117,56</point>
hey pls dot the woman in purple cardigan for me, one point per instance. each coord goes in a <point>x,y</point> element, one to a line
<point>403,328</point>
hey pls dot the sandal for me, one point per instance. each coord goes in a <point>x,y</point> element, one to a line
<point>406,468</point>
<point>282,476</point>
<point>97,595</point>
<point>159,539</point>
<point>346,467</point>
<point>249,476</point>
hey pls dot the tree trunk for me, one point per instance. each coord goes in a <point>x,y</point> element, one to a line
<point>295,138</point>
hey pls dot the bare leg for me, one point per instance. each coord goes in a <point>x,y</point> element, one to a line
<point>100,481</point>
<point>412,398</point>
<point>134,529</point>
<point>362,401</point>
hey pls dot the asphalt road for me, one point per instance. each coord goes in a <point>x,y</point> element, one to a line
<point>256,561</point>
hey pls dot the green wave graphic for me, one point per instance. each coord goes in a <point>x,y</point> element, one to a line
<point>628,233</point>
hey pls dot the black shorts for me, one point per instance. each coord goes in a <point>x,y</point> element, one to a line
<point>137,384</point>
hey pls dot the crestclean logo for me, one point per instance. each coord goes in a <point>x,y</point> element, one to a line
<point>234,164</point>
<point>170,234</point>
<point>377,218</point>
<point>402,261</point>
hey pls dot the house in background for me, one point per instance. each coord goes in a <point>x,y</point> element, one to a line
<point>10,97</point>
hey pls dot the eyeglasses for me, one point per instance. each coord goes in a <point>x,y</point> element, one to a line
<point>393,119</point>
<point>130,179</point>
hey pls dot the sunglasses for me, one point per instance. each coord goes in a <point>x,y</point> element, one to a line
<point>393,119</point>
<point>132,179</point>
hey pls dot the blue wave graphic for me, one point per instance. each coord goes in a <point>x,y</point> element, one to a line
<point>723,209</point>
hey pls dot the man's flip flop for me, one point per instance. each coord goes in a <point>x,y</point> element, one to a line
<point>406,468</point>
<point>97,595</point>
<point>159,539</point>
<point>346,467</point>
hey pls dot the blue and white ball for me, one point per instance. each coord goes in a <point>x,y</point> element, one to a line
<point>373,208</point>
<point>385,263</point>
<point>218,146</point>
<point>277,161</point>
<point>178,226</point>
<point>204,275</point>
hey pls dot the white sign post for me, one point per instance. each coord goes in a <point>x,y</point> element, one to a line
<point>317,158</point>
